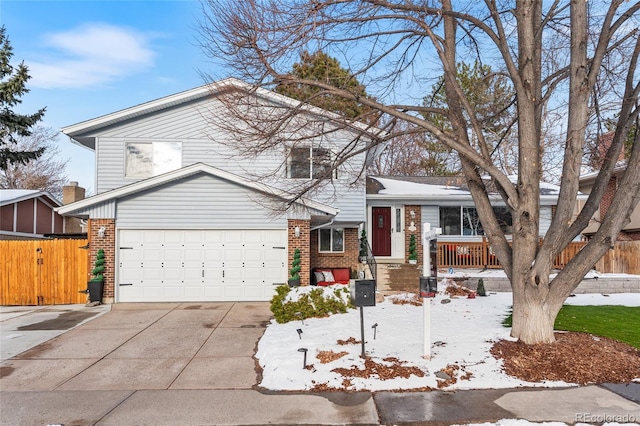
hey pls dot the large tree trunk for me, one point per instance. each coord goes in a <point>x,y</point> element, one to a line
<point>534,311</point>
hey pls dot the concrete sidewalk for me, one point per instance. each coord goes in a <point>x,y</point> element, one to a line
<point>192,363</point>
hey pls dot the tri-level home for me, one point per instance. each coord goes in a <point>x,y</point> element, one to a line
<point>183,216</point>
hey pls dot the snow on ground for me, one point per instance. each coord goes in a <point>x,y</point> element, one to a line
<point>462,333</point>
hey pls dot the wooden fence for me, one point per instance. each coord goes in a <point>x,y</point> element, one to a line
<point>479,255</point>
<point>624,258</point>
<point>43,272</point>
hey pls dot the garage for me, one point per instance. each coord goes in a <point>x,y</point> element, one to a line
<point>200,265</point>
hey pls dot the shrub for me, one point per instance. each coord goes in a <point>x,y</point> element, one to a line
<point>291,304</point>
<point>98,270</point>
<point>413,252</point>
<point>294,272</point>
<point>480,289</point>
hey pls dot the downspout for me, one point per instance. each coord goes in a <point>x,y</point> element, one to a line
<point>323,225</point>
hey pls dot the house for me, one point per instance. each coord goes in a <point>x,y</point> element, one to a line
<point>396,206</point>
<point>28,214</point>
<point>182,216</point>
<point>631,231</point>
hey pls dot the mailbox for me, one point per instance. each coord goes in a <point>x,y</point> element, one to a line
<point>363,293</point>
<point>428,286</point>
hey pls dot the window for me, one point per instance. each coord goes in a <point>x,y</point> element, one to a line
<point>450,220</point>
<point>331,240</point>
<point>461,220</point>
<point>398,220</point>
<point>471,222</point>
<point>309,163</point>
<point>147,159</point>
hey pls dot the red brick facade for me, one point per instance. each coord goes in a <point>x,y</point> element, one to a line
<point>108,244</point>
<point>346,259</point>
<point>417,223</point>
<point>605,203</point>
<point>301,242</point>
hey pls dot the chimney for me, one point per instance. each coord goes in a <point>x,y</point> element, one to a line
<point>70,194</point>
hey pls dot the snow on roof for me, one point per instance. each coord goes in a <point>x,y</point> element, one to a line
<point>402,187</point>
<point>8,196</point>
<point>13,194</point>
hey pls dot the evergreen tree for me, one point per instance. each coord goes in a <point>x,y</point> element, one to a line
<point>12,125</point>
<point>323,68</point>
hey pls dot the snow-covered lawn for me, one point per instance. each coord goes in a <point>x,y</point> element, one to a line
<point>462,333</point>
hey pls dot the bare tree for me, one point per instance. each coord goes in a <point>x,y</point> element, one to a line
<point>46,173</point>
<point>390,43</point>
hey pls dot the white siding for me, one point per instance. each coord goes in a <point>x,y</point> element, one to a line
<point>197,202</point>
<point>545,220</point>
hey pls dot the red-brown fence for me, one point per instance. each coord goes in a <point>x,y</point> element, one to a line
<point>479,255</point>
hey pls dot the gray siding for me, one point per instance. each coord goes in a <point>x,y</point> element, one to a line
<point>197,202</point>
<point>200,141</point>
<point>104,210</point>
<point>431,214</point>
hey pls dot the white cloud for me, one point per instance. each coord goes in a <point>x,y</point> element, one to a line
<point>90,55</point>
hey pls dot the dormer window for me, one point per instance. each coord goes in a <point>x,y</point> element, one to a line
<point>309,163</point>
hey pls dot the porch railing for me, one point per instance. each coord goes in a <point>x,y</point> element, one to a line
<point>479,255</point>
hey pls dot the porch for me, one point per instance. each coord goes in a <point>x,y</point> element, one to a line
<point>479,255</point>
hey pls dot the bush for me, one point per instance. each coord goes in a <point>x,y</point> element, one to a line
<point>98,270</point>
<point>480,289</point>
<point>291,304</point>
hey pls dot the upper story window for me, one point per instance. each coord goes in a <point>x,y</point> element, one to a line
<point>309,163</point>
<point>147,159</point>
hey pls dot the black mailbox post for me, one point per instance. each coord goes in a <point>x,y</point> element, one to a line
<point>364,293</point>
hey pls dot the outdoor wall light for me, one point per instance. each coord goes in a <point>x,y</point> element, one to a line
<point>296,231</point>
<point>101,232</point>
<point>412,213</point>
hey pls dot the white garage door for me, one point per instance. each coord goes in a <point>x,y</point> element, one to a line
<point>200,265</point>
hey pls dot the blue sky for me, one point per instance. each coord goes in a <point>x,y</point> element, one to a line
<point>89,58</point>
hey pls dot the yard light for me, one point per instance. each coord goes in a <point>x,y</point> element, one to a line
<point>304,361</point>
<point>375,329</point>
<point>299,330</point>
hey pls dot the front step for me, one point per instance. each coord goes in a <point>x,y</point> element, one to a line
<point>398,278</point>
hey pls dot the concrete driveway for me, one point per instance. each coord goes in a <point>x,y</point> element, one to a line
<point>174,363</point>
<point>192,364</point>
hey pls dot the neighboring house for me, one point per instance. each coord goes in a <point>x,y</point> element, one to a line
<point>28,214</point>
<point>181,217</point>
<point>396,206</point>
<point>631,231</point>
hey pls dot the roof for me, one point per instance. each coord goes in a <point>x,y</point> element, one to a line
<point>435,188</point>
<point>190,171</point>
<point>80,132</point>
<point>619,168</point>
<point>10,196</point>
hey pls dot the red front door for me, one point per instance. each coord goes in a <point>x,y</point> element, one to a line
<point>381,231</point>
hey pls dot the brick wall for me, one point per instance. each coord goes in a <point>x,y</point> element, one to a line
<point>608,195</point>
<point>417,223</point>
<point>108,244</point>
<point>347,259</point>
<point>302,243</point>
